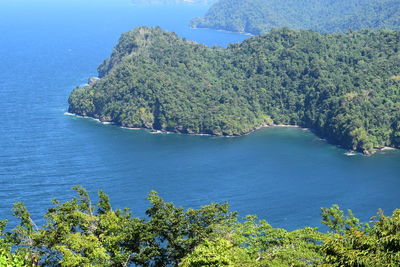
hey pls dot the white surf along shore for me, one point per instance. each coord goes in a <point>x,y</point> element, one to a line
<point>153,131</point>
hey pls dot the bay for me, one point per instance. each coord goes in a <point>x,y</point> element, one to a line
<point>283,175</point>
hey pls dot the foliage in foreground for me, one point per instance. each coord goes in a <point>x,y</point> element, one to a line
<point>78,233</point>
<point>345,87</point>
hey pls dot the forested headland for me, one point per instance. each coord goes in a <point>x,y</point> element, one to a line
<point>260,16</point>
<point>344,86</point>
<point>79,233</point>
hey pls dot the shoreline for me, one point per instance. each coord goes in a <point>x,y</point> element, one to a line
<point>154,131</point>
<point>221,30</point>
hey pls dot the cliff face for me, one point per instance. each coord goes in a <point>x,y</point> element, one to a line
<point>342,86</point>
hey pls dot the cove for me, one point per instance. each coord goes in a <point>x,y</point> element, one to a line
<point>283,175</point>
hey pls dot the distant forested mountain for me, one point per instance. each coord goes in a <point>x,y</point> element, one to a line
<point>258,16</point>
<point>346,87</point>
<point>166,2</point>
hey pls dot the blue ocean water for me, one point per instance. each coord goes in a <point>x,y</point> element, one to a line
<point>47,47</point>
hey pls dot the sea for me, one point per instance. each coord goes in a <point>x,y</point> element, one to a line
<point>282,175</point>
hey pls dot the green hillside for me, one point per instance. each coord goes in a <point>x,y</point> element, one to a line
<point>345,87</point>
<point>258,16</point>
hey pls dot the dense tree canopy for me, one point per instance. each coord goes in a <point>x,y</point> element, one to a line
<point>345,87</point>
<point>258,16</point>
<point>79,233</point>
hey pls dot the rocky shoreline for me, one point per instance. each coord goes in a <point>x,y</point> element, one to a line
<point>222,30</point>
<point>177,131</point>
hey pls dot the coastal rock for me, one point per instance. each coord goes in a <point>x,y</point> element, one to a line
<point>92,80</point>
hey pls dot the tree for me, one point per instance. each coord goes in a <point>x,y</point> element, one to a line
<point>78,233</point>
<point>339,85</point>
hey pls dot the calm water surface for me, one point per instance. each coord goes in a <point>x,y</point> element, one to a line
<point>46,49</point>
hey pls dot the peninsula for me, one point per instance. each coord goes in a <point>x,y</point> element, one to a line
<point>343,86</point>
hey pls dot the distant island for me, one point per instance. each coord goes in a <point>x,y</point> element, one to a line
<point>345,87</point>
<point>167,2</point>
<point>259,16</point>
